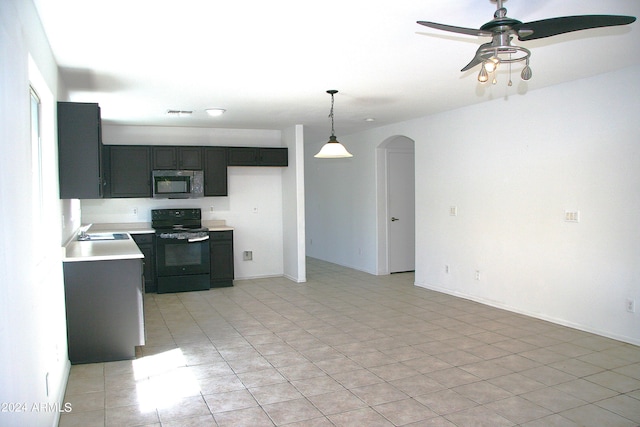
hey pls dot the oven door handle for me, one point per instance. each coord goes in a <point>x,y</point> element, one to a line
<point>198,239</point>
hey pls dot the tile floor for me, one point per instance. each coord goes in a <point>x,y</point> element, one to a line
<point>351,349</point>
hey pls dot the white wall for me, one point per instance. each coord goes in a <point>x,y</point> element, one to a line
<point>293,220</point>
<point>341,205</point>
<point>512,167</point>
<point>254,206</point>
<point>33,349</point>
<point>180,135</point>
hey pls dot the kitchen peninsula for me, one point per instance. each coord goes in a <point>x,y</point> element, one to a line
<point>103,283</point>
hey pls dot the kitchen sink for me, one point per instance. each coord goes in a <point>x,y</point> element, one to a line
<point>103,236</point>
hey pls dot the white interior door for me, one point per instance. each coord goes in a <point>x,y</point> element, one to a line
<point>401,210</point>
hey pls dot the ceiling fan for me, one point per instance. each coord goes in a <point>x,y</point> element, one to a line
<point>501,29</point>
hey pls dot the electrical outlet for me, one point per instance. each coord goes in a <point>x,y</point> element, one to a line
<point>247,255</point>
<point>210,208</point>
<point>453,210</point>
<point>135,211</point>
<point>631,306</point>
<point>477,275</point>
<point>446,268</point>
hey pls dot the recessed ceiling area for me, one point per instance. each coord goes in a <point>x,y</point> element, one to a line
<point>269,64</point>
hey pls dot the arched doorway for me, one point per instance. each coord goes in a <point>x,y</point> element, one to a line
<point>395,188</point>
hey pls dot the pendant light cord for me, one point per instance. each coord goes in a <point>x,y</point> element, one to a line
<point>331,116</point>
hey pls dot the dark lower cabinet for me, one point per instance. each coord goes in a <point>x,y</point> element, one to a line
<point>146,244</point>
<point>104,308</point>
<point>221,253</point>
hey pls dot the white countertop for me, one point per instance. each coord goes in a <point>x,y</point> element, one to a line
<point>217,225</point>
<point>122,227</point>
<point>145,227</point>
<point>101,250</point>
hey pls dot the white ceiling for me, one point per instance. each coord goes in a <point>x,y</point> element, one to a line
<point>269,63</point>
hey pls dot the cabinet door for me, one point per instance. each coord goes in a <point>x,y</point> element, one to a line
<point>79,150</point>
<point>172,158</point>
<point>215,171</point>
<point>221,254</point>
<point>164,157</point>
<point>190,158</point>
<point>258,156</point>
<point>147,246</point>
<point>273,156</point>
<point>242,156</point>
<point>129,171</point>
<point>104,309</point>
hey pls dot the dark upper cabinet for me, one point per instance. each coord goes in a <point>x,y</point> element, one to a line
<point>258,156</point>
<point>164,157</point>
<point>215,171</point>
<point>127,171</point>
<point>127,168</point>
<point>273,156</point>
<point>242,156</point>
<point>189,158</point>
<point>79,150</point>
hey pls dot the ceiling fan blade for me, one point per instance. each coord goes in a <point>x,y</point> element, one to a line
<point>565,24</point>
<point>476,59</point>
<point>460,30</point>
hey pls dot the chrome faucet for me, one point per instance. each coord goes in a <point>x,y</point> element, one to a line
<point>83,232</point>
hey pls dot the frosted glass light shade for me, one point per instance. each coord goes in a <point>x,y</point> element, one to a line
<point>333,150</point>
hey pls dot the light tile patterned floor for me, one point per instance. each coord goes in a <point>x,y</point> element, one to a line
<point>351,349</point>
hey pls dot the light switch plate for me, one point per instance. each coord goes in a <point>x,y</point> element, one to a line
<point>572,216</point>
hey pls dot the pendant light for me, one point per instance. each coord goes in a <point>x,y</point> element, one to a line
<point>332,149</point>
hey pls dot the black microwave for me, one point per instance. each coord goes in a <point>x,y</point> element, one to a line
<point>177,184</point>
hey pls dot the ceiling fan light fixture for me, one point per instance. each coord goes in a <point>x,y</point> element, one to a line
<point>502,29</point>
<point>491,64</point>
<point>526,73</point>
<point>483,76</point>
<point>332,149</point>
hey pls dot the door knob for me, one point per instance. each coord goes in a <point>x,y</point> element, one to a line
<point>393,218</point>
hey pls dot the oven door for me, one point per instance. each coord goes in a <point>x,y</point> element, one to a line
<point>180,257</point>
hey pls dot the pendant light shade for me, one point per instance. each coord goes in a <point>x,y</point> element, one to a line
<point>332,149</point>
